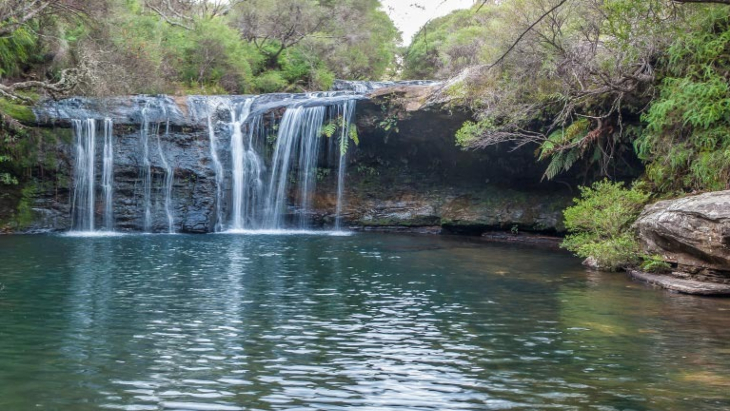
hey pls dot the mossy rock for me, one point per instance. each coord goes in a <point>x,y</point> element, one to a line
<point>18,111</point>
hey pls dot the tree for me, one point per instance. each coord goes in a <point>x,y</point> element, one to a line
<point>19,37</point>
<point>312,41</point>
<point>566,75</point>
<point>186,13</point>
<point>275,27</point>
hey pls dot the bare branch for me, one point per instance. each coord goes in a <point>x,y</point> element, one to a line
<point>168,20</point>
<point>524,33</point>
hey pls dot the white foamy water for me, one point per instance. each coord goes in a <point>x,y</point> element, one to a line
<point>289,232</point>
<point>92,234</point>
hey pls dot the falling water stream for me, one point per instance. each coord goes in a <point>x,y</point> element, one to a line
<point>296,143</point>
<point>146,170</point>
<point>246,163</point>
<point>84,178</point>
<point>169,177</point>
<point>272,162</point>
<point>348,111</point>
<point>107,180</point>
<point>218,169</point>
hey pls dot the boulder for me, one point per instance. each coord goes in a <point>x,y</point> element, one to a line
<point>691,233</point>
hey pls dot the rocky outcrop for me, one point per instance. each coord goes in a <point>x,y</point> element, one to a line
<point>691,233</point>
<point>405,175</point>
<point>682,285</point>
<point>377,204</point>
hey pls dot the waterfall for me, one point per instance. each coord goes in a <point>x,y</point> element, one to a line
<point>169,176</point>
<point>299,129</point>
<point>348,111</point>
<point>146,169</point>
<point>82,218</point>
<point>218,168</point>
<point>107,176</point>
<point>246,164</point>
<point>276,144</point>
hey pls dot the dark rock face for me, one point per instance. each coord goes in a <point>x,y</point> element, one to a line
<point>193,190</point>
<point>693,233</point>
<point>451,209</point>
<point>406,174</point>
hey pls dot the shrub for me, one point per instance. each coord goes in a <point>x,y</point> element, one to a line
<point>270,82</point>
<point>600,224</point>
<point>655,264</point>
<point>686,142</point>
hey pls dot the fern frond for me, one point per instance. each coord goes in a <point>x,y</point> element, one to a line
<point>344,143</point>
<point>328,130</point>
<point>354,136</point>
<point>556,164</point>
<point>570,158</point>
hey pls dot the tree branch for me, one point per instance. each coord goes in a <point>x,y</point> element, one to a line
<point>524,33</point>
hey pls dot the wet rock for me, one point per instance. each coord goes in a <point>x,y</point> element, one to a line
<point>377,203</point>
<point>406,174</point>
<point>591,263</point>
<point>682,285</point>
<point>692,233</point>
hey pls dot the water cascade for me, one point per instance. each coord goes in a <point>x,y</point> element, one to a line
<point>267,182</point>
<point>107,176</point>
<point>263,191</point>
<point>347,113</point>
<point>218,168</point>
<point>146,169</point>
<point>169,177</point>
<point>298,139</point>
<point>247,166</point>
<point>82,218</point>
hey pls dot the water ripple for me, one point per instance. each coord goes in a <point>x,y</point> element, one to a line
<point>319,322</point>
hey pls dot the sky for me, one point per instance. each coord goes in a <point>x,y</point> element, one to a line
<point>410,15</point>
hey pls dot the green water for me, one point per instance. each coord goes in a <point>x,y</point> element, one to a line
<point>366,322</point>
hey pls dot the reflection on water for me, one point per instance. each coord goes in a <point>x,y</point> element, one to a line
<point>366,322</point>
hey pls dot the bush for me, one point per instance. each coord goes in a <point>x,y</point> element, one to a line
<point>600,224</point>
<point>686,142</point>
<point>655,264</point>
<point>270,82</point>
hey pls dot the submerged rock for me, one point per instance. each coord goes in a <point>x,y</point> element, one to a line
<point>691,233</point>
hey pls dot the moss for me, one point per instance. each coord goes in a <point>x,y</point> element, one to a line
<point>24,215</point>
<point>18,111</point>
<point>64,135</point>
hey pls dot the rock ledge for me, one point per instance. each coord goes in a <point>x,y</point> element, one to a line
<point>683,286</point>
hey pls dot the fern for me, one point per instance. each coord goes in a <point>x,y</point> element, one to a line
<point>344,143</point>
<point>688,126</point>
<point>354,135</point>
<point>328,130</point>
<point>564,147</point>
<point>555,166</point>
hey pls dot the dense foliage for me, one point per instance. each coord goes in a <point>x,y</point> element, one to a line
<point>105,47</point>
<point>133,46</point>
<point>591,83</point>
<point>686,142</point>
<point>600,224</point>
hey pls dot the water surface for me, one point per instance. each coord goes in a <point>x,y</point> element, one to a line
<point>362,322</point>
